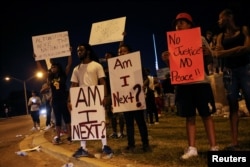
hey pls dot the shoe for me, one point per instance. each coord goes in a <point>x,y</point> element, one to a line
<point>145,148</point>
<point>114,136</point>
<point>81,153</point>
<point>232,148</point>
<point>108,152</point>
<point>56,141</point>
<point>121,135</point>
<point>156,123</point>
<point>214,148</point>
<point>38,128</point>
<point>189,153</point>
<point>33,129</point>
<point>69,140</point>
<point>47,127</point>
<point>128,149</point>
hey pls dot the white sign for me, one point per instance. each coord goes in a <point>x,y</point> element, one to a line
<point>107,31</point>
<point>88,113</point>
<point>51,45</point>
<point>125,74</point>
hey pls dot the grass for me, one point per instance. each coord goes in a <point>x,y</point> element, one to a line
<point>168,140</point>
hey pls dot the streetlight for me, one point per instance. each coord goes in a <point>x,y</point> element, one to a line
<point>39,75</point>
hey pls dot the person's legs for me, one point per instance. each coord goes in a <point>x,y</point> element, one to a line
<point>121,124</point>
<point>209,127</point>
<point>129,118</point>
<point>191,130</point>
<point>48,114</point>
<point>231,83</point>
<point>142,128</point>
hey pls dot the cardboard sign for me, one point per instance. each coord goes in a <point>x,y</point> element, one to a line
<point>127,93</point>
<point>107,31</point>
<point>186,56</point>
<point>51,45</point>
<point>88,113</point>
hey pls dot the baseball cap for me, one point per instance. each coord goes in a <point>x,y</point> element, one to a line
<point>183,16</point>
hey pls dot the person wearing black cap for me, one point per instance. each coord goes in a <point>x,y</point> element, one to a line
<point>196,95</point>
<point>233,46</point>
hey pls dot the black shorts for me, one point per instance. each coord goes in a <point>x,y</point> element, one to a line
<point>195,97</point>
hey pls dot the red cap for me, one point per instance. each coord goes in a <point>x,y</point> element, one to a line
<point>184,16</point>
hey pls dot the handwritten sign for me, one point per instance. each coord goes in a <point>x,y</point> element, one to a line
<point>186,56</point>
<point>88,114</point>
<point>51,45</point>
<point>107,31</point>
<point>126,87</point>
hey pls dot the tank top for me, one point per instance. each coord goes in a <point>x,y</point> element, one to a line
<point>234,61</point>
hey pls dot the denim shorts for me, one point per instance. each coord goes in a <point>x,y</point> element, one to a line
<point>237,80</point>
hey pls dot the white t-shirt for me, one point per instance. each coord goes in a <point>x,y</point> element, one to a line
<point>37,101</point>
<point>87,74</point>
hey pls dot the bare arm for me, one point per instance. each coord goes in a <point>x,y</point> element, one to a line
<point>69,64</point>
<point>220,52</point>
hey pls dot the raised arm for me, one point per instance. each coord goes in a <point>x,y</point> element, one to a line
<point>69,64</point>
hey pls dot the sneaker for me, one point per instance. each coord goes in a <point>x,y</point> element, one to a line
<point>114,136</point>
<point>108,152</point>
<point>38,128</point>
<point>81,153</point>
<point>232,148</point>
<point>189,153</point>
<point>128,149</point>
<point>156,123</point>
<point>47,127</point>
<point>33,129</point>
<point>69,140</point>
<point>214,148</point>
<point>56,140</point>
<point>145,148</point>
<point>121,135</point>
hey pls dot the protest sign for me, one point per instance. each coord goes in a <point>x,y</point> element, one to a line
<point>52,45</point>
<point>186,56</point>
<point>107,31</point>
<point>125,74</point>
<point>88,113</point>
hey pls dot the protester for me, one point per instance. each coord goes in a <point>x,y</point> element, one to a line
<point>57,78</point>
<point>46,101</point>
<point>131,116</point>
<point>89,73</point>
<point>233,46</point>
<point>115,118</point>
<point>196,95</point>
<point>34,104</point>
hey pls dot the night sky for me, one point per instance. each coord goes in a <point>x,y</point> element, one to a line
<point>20,21</point>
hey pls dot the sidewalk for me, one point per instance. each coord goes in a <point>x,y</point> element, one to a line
<point>59,152</point>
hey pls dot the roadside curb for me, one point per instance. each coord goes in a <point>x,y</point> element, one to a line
<point>58,152</point>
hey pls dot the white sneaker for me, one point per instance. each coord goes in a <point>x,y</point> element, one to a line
<point>38,128</point>
<point>190,152</point>
<point>33,129</point>
<point>47,127</point>
<point>214,148</point>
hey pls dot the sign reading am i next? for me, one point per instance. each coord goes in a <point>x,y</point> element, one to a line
<point>88,114</point>
<point>186,56</point>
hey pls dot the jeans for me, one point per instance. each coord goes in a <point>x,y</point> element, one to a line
<point>236,80</point>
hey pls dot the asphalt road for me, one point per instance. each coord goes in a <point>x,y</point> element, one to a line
<point>12,132</point>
